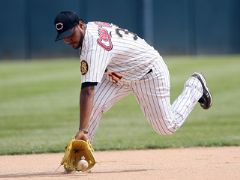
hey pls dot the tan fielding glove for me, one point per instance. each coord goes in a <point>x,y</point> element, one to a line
<point>74,152</point>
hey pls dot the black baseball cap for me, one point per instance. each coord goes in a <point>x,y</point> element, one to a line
<point>64,23</point>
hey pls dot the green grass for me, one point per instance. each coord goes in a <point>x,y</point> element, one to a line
<point>39,108</point>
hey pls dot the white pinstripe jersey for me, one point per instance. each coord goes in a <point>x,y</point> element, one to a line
<point>106,46</point>
<point>129,58</point>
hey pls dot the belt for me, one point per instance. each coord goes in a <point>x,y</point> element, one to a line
<point>149,71</point>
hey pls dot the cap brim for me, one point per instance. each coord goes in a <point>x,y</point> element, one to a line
<point>67,33</point>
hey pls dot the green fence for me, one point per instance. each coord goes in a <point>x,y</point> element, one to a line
<point>173,26</point>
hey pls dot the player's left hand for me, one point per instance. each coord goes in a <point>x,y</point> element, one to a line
<point>75,151</point>
<point>81,136</point>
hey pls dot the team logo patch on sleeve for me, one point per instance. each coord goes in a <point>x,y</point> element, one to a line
<point>84,67</point>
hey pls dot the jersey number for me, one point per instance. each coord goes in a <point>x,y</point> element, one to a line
<point>120,32</point>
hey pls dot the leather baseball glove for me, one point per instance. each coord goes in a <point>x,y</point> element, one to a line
<point>74,152</point>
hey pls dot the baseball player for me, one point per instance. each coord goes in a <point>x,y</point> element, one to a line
<point>115,62</point>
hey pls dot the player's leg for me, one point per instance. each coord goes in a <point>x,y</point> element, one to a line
<point>153,95</point>
<point>106,94</point>
<point>186,101</point>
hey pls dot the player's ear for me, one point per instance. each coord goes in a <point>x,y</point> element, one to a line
<point>81,24</point>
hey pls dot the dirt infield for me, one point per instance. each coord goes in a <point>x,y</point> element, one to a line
<point>190,163</point>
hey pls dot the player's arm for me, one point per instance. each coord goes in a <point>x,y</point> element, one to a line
<point>86,106</point>
<point>92,70</point>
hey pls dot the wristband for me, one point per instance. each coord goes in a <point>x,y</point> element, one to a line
<point>85,131</point>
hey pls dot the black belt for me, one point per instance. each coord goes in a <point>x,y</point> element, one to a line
<point>149,71</point>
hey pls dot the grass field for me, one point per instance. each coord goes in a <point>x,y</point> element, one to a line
<point>39,108</point>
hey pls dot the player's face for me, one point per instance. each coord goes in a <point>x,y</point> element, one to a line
<point>75,40</point>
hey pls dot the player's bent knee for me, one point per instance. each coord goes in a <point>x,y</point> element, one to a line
<point>165,132</point>
<point>164,126</point>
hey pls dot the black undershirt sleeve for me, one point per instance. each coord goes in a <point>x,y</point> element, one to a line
<point>86,84</point>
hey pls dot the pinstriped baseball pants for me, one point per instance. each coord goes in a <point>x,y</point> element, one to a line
<point>153,95</point>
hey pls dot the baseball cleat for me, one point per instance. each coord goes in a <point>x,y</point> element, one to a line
<point>206,99</point>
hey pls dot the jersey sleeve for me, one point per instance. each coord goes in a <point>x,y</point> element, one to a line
<point>93,60</point>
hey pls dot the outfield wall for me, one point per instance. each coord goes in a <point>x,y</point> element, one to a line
<point>173,26</point>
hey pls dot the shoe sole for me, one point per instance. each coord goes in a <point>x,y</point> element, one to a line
<point>202,80</point>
